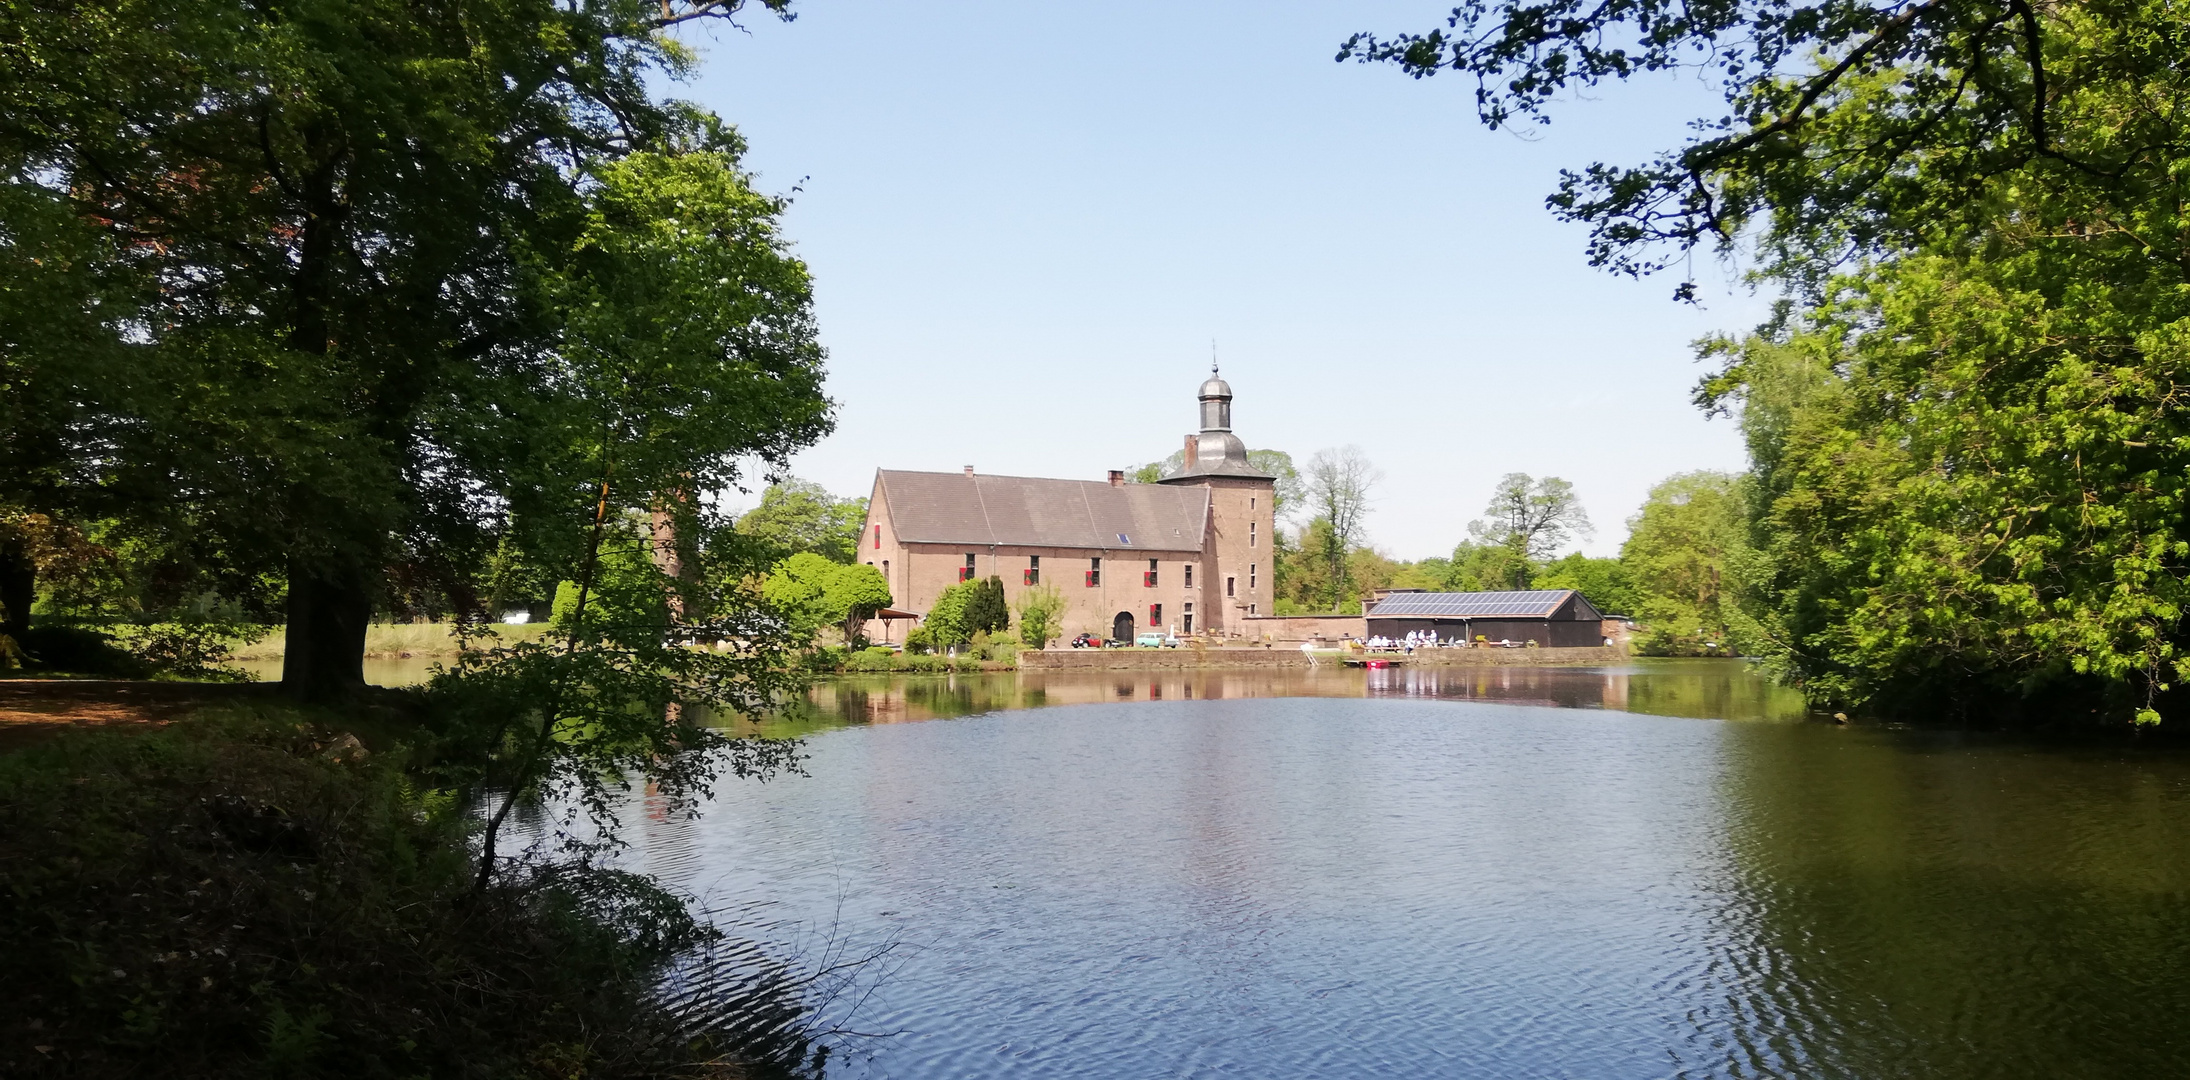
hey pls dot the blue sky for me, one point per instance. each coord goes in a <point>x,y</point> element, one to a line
<point>1026,222</point>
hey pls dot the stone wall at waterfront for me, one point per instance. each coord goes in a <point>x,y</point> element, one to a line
<point>1060,659</point>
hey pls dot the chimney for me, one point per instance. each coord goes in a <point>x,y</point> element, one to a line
<point>969,470</point>
<point>1117,478</point>
<point>1193,451</point>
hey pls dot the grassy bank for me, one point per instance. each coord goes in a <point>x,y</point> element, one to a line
<point>256,890</point>
<point>834,660</point>
<point>392,640</point>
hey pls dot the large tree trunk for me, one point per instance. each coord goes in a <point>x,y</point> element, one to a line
<point>330,602</point>
<point>330,597</point>
<point>18,587</point>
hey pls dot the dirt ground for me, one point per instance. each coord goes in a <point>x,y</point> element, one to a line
<point>33,708</point>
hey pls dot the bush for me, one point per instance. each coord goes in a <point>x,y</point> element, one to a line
<point>920,642</point>
<point>252,894</point>
<point>81,650</point>
<point>870,660</point>
<point>827,658</point>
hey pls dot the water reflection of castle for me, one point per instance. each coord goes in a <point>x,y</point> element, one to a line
<point>1664,690</point>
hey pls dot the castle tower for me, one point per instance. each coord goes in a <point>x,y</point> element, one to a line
<point>1237,572</point>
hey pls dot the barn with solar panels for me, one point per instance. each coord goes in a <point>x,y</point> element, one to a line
<point>1547,617</point>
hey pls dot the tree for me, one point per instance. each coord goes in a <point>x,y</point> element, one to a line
<point>858,591</point>
<point>799,515</point>
<point>1039,608</point>
<point>1289,491</point>
<point>1683,550</point>
<point>1338,483</point>
<point>812,592</point>
<point>945,622</point>
<point>986,612</point>
<point>1849,128</point>
<point>1607,583</point>
<point>362,259</point>
<point>1479,567</point>
<point>1967,456</point>
<point>1531,519</point>
<point>1283,501</point>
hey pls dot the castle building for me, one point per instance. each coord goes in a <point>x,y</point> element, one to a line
<point>1190,554</point>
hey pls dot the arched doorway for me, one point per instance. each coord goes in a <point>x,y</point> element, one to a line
<point>1121,628</point>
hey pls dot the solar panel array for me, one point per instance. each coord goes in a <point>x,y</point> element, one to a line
<point>1533,604</point>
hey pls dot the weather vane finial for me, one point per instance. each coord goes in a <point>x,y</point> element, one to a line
<point>1212,356</point>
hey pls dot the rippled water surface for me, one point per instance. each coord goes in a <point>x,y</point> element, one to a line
<point>1650,872</point>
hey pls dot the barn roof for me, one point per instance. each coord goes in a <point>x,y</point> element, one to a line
<point>1026,511</point>
<point>1531,604</point>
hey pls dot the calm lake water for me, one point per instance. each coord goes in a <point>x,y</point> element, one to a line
<point>1662,870</point>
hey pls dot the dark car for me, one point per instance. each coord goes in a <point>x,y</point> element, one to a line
<point>1087,641</point>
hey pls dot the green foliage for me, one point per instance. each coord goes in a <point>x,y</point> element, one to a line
<point>801,516</point>
<point>1040,608</point>
<point>946,623</point>
<point>986,611</point>
<point>256,893</point>
<point>1478,567</point>
<point>1967,451</point>
<point>408,311</point>
<point>1531,519</point>
<point>1686,550</point>
<point>921,640</point>
<point>626,588</point>
<point>1290,488</point>
<point>812,592</point>
<point>198,645</point>
<point>1607,583</point>
<point>859,591</point>
<point>1849,129</point>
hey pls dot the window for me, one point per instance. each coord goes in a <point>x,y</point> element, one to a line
<point>1228,586</point>
<point>1148,580</point>
<point>1189,575</point>
<point>965,573</point>
<point>1094,572</point>
<point>1250,502</point>
<point>1250,609</point>
<point>1186,617</point>
<point>1033,574</point>
<point>885,569</point>
<point>1250,534</point>
<point>1250,577</point>
<point>878,538</point>
<point>1155,614</point>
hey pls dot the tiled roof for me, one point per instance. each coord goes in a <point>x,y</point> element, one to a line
<point>1025,511</point>
<point>1533,604</point>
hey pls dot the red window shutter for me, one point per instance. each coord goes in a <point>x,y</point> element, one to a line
<point>1155,614</point>
<point>1093,578</point>
<point>1026,577</point>
<point>878,538</point>
<point>1148,578</point>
